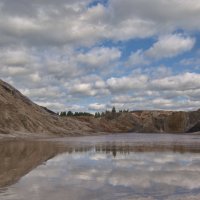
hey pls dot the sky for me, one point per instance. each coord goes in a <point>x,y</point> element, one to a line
<point>91,55</point>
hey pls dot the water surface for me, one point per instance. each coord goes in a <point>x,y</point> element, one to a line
<point>120,167</point>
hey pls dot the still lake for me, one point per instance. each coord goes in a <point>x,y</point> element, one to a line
<point>110,167</point>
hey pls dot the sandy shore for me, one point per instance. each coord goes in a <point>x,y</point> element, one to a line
<point>42,136</point>
<point>25,135</point>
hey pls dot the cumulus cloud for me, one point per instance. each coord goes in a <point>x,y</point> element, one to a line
<point>164,15</point>
<point>99,57</point>
<point>68,51</point>
<point>181,82</point>
<point>97,106</point>
<point>45,92</point>
<point>87,86</point>
<point>15,57</point>
<point>83,88</point>
<point>33,27</point>
<point>60,106</point>
<point>172,92</point>
<point>167,46</point>
<point>137,59</point>
<point>126,83</point>
<point>52,105</point>
<point>126,99</point>
<point>170,46</point>
<point>77,23</point>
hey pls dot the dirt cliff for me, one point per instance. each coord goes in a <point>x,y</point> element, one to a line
<point>146,122</point>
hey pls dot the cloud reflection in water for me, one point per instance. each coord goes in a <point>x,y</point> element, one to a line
<point>112,172</point>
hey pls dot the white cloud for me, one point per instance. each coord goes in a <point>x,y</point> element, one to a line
<point>52,105</point>
<point>86,89</point>
<point>15,57</point>
<point>130,28</point>
<point>59,106</point>
<point>123,99</point>
<point>166,15</point>
<point>161,72</point>
<point>97,107</point>
<point>45,92</point>
<point>14,71</point>
<point>35,77</point>
<point>83,88</point>
<point>70,49</point>
<point>169,46</point>
<point>180,82</point>
<point>137,59</point>
<point>127,83</point>
<point>74,23</point>
<point>176,92</point>
<point>86,86</point>
<point>99,57</point>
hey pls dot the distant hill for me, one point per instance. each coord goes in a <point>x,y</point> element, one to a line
<point>148,122</point>
<point>18,114</point>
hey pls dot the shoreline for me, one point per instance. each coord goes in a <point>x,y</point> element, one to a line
<point>38,136</point>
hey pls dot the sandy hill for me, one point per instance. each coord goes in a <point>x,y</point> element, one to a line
<point>18,114</point>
